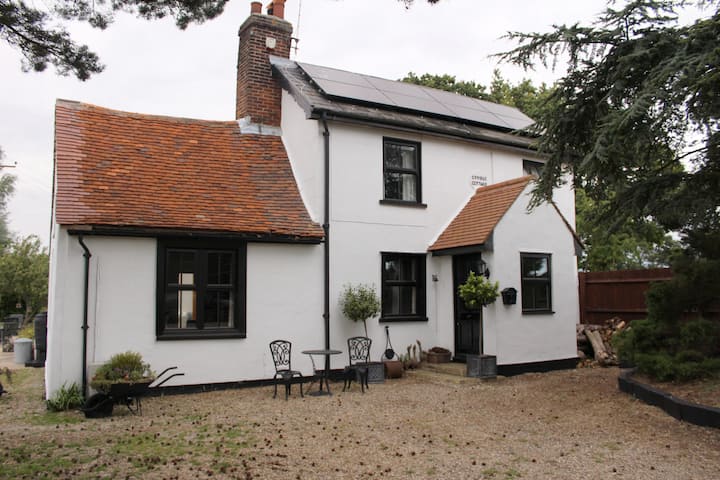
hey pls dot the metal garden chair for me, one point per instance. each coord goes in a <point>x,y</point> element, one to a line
<point>280,350</point>
<point>359,353</point>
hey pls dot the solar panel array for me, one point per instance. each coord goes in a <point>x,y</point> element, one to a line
<point>407,96</point>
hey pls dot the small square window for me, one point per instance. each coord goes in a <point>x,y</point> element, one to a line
<point>401,170</point>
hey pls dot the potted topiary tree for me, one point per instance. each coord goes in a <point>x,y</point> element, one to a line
<point>478,292</point>
<point>359,303</point>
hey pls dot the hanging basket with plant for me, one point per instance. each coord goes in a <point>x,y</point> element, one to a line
<point>478,291</point>
<point>359,303</point>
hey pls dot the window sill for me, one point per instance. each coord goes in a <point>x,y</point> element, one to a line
<point>538,312</point>
<point>402,203</point>
<point>204,335</point>
<point>408,318</point>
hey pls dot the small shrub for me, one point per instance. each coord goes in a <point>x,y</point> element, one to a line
<point>65,398</point>
<point>125,367</point>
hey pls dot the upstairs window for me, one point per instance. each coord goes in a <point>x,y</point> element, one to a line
<point>536,283</point>
<point>200,290</point>
<point>532,168</point>
<point>403,287</point>
<point>401,170</point>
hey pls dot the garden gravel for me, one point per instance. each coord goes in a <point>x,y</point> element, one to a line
<point>571,424</point>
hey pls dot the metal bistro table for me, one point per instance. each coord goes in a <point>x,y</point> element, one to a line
<point>326,370</point>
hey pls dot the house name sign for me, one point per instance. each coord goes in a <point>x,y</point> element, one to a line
<point>478,181</point>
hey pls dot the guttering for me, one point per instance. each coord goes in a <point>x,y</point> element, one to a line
<point>87,256</point>
<point>326,229</point>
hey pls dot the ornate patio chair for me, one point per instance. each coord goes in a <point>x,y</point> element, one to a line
<point>280,350</point>
<point>359,353</point>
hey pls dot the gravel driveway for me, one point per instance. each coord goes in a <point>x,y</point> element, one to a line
<point>561,425</point>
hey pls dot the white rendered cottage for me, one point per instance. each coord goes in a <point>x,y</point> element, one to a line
<point>196,243</point>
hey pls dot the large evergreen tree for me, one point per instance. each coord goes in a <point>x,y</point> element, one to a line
<point>635,119</point>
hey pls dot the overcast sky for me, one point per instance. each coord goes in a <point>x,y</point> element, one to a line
<point>152,67</point>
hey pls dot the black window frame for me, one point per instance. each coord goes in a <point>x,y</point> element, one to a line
<point>420,282</point>
<point>416,171</point>
<point>527,282</point>
<point>533,167</point>
<point>203,247</point>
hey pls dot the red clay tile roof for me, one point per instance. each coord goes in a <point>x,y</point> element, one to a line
<point>473,225</point>
<point>119,169</point>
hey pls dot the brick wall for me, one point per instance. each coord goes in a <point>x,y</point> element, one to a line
<point>258,94</point>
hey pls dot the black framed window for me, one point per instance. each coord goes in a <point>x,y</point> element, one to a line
<point>536,282</point>
<point>403,287</point>
<point>401,171</point>
<point>201,289</point>
<point>532,168</point>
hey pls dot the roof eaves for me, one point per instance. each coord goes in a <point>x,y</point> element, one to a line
<point>135,231</point>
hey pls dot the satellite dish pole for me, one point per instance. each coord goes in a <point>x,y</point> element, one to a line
<point>296,39</point>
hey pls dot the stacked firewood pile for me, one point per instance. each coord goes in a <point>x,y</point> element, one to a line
<point>594,343</point>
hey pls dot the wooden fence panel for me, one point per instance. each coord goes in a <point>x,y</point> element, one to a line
<point>604,295</point>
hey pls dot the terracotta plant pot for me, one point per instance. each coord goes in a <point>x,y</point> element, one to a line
<point>393,368</point>
<point>433,357</point>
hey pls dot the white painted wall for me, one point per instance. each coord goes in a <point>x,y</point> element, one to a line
<point>284,300</point>
<point>518,338</point>
<point>361,228</point>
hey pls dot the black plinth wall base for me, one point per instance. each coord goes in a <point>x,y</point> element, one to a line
<point>680,409</point>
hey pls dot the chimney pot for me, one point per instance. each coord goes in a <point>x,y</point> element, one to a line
<point>276,8</point>
<point>256,7</point>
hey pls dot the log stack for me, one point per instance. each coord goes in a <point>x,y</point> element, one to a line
<point>595,342</point>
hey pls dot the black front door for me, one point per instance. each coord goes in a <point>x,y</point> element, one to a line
<point>468,322</point>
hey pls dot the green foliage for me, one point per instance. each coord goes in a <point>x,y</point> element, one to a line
<point>633,244</point>
<point>28,331</point>
<point>65,398</point>
<point>667,346</point>
<point>359,302</point>
<point>7,187</point>
<point>127,367</point>
<point>24,269</point>
<point>478,291</point>
<point>635,119</point>
<point>669,352</point>
<point>41,41</point>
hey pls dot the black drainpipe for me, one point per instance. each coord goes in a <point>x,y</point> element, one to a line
<point>85,327</point>
<point>326,229</point>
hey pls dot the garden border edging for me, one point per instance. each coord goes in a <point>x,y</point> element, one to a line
<point>683,410</point>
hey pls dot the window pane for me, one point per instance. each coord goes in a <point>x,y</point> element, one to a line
<point>401,186</point>
<point>180,267</point>
<point>399,268</point>
<point>220,268</point>
<point>400,156</point>
<point>535,267</point>
<point>180,309</point>
<point>536,296</point>
<point>219,309</point>
<point>399,300</point>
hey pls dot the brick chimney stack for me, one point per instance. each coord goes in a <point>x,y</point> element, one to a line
<point>258,93</point>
